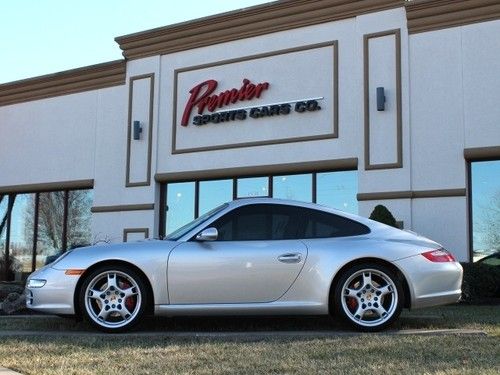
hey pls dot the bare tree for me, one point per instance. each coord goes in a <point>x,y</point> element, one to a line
<point>79,218</point>
<point>51,220</point>
<point>489,224</point>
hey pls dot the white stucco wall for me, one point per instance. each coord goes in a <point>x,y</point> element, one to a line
<point>48,140</point>
<point>454,96</point>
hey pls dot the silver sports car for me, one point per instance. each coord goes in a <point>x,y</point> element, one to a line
<point>256,256</point>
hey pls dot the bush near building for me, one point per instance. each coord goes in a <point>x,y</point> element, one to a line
<point>381,214</point>
<point>481,282</point>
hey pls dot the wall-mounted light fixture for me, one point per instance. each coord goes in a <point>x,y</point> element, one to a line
<point>137,130</point>
<point>380,99</point>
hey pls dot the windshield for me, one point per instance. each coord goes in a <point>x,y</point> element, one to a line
<point>178,233</point>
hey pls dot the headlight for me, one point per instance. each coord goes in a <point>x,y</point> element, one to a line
<point>36,283</point>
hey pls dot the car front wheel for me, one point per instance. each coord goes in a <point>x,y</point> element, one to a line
<point>113,298</point>
<point>369,297</point>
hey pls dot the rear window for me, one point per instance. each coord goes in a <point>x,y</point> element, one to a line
<point>322,225</point>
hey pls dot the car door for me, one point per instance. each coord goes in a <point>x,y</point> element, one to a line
<point>256,258</point>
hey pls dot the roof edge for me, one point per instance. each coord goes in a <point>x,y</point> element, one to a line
<point>429,15</point>
<point>244,23</point>
<point>86,78</point>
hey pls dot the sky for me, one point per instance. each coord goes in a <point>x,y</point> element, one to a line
<point>40,37</point>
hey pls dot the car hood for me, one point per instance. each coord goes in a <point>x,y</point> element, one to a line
<point>134,252</point>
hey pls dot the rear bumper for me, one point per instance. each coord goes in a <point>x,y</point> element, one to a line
<point>431,283</point>
<point>56,296</point>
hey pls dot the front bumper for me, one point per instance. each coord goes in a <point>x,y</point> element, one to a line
<point>432,283</point>
<point>56,296</point>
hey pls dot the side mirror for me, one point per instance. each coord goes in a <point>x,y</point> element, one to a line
<point>208,234</point>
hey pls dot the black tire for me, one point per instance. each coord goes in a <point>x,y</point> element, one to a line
<point>369,297</point>
<point>113,298</point>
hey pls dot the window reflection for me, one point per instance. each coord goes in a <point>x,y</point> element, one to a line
<point>180,205</point>
<point>21,236</point>
<point>485,207</point>
<point>338,190</point>
<point>334,189</point>
<point>297,187</point>
<point>50,226</point>
<point>3,232</point>
<point>79,231</point>
<point>253,187</point>
<point>213,194</point>
<point>41,215</point>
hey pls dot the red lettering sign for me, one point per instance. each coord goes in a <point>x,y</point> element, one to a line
<point>202,98</point>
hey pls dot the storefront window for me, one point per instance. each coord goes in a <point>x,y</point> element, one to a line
<point>485,207</point>
<point>180,205</point>
<point>297,187</point>
<point>253,187</point>
<point>79,231</point>
<point>21,236</point>
<point>213,194</point>
<point>50,226</point>
<point>39,227</point>
<point>3,232</point>
<point>187,200</point>
<point>338,190</point>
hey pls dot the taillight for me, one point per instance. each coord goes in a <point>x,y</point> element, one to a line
<point>439,255</point>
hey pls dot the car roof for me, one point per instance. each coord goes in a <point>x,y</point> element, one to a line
<point>315,206</point>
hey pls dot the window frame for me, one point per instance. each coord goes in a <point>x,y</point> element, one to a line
<point>10,196</point>
<point>164,189</point>
<point>470,217</point>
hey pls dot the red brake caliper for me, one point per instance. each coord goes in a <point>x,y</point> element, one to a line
<point>352,303</point>
<point>129,302</point>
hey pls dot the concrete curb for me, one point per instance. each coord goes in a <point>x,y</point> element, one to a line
<point>6,371</point>
<point>245,335</point>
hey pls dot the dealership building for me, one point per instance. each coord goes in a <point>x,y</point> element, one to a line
<point>349,104</point>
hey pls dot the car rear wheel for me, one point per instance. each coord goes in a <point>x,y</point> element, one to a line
<point>369,297</point>
<point>113,298</point>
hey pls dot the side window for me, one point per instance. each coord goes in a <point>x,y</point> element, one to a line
<point>259,222</point>
<point>322,225</point>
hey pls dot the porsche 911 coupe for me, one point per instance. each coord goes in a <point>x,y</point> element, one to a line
<point>253,256</point>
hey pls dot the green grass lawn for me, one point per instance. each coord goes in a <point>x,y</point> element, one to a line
<point>380,353</point>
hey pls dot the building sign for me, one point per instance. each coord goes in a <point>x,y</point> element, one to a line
<point>251,101</point>
<point>201,100</point>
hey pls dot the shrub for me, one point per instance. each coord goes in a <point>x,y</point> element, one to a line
<point>481,281</point>
<point>8,271</point>
<point>381,214</point>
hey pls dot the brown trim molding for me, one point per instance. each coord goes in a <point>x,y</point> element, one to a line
<point>399,121</point>
<point>123,207</point>
<point>470,231</point>
<point>442,193</point>
<point>427,15</point>
<point>335,125</point>
<point>151,77</point>
<point>482,153</point>
<point>91,77</point>
<point>245,23</point>
<point>126,232</point>
<point>48,186</point>
<point>206,174</point>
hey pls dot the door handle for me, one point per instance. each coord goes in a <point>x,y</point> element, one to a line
<point>290,258</point>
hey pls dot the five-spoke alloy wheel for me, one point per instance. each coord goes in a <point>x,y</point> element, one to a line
<point>113,298</point>
<point>369,297</point>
